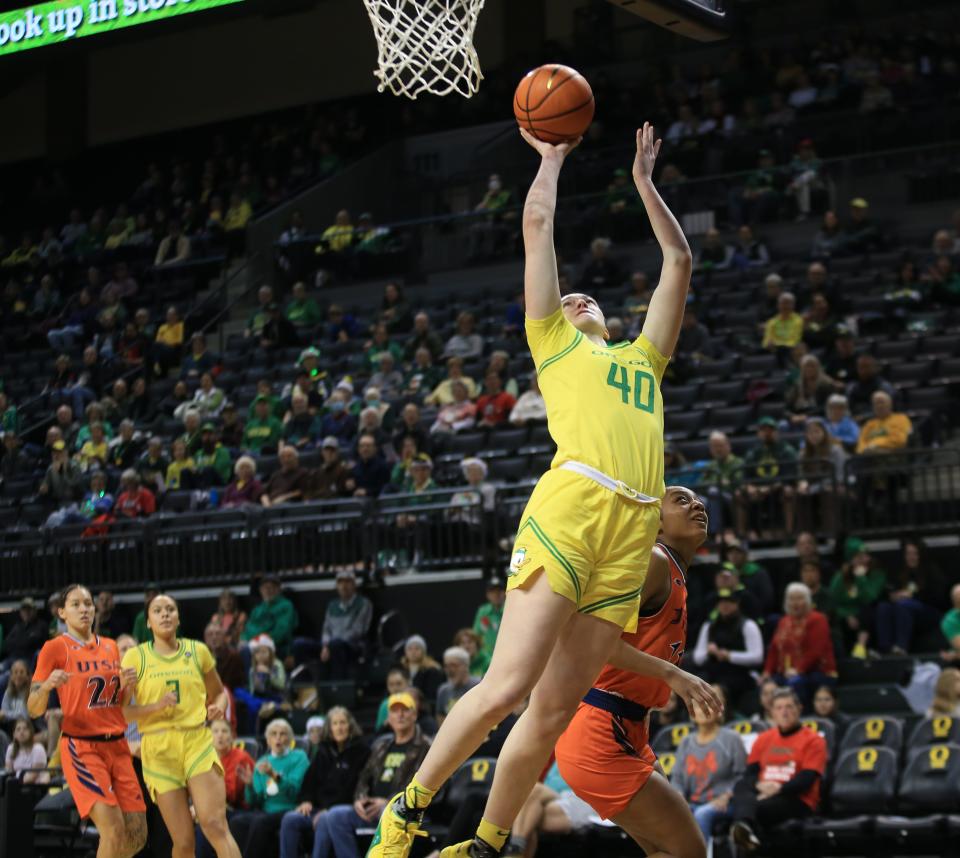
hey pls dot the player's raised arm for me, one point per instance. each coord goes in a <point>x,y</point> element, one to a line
<point>662,325</point>
<point>540,285</point>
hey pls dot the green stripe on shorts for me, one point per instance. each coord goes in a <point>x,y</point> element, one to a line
<point>199,760</point>
<point>610,601</point>
<point>545,541</point>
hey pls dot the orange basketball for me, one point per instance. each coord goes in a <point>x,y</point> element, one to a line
<point>554,103</point>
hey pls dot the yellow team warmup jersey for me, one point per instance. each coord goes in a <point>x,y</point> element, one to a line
<point>604,406</point>
<point>182,673</point>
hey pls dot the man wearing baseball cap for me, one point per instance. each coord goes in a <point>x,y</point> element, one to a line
<point>729,646</point>
<point>214,466</point>
<point>394,758</point>
<point>766,492</point>
<point>345,627</point>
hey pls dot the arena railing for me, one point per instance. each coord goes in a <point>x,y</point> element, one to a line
<point>911,491</point>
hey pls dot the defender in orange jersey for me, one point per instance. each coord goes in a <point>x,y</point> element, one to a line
<point>84,670</point>
<point>605,755</point>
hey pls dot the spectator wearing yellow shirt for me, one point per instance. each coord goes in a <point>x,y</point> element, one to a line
<point>784,330</point>
<point>235,223</point>
<point>94,450</point>
<point>169,342</point>
<point>887,430</point>
<point>24,254</point>
<point>339,236</point>
<point>180,470</point>
<point>443,392</point>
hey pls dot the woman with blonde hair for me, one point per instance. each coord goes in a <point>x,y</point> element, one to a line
<point>330,780</point>
<point>811,391</point>
<point>425,672</point>
<point>946,695</point>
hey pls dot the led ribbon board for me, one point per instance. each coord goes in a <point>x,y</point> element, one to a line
<point>63,20</point>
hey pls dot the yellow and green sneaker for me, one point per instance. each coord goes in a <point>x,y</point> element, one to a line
<point>475,848</point>
<point>395,832</point>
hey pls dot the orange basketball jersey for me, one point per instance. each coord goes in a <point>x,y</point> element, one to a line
<point>662,634</point>
<point>91,699</point>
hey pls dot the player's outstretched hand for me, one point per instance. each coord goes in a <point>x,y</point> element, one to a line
<point>547,150</point>
<point>215,712</point>
<point>694,692</point>
<point>648,147</point>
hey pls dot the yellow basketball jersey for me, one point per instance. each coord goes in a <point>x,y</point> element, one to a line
<point>604,406</point>
<point>182,673</point>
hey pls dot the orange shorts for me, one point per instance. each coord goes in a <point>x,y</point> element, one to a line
<point>100,771</point>
<point>605,759</point>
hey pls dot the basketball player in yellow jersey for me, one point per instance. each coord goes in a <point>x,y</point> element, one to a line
<point>586,535</point>
<point>177,691</point>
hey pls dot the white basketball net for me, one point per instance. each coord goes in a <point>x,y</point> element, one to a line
<point>426,46</point>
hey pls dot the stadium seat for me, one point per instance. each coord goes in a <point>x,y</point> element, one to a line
<point>509,437</point>
<point>825,728</point>
<point>898,351</point>
<point>467,443</point>
<point>722,393</point>
<point>732,419</point>
<point>932,731</point>
<point>837,836</point>
<point>875,731</point>
<point>903,835</point>
<point>931,780</point>
<point>863,671</point>
<point>679,425</point>
<point>249,744</point>
<point>670,737</point>
<point>475,775</point>
<point>509,468</point>
<point>912,373</point>
<point>860,699</point>
<point>864,781</point>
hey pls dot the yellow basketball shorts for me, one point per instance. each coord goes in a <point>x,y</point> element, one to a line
<point>171,757</point>
<point>593,544</point>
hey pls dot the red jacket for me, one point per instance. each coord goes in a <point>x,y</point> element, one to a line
<point>781,758</point>
<point>802,644</point>
<point>234,786</point>
<point>136,504</point>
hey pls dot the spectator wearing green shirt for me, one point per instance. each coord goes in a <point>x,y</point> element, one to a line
<point>272,790</point>
<point>486,623</point>
<point>302,311</point>
<point>274,616</point>
<point>720,480</point>
<point>9,419</point>
<point>950,624</point>
<point>212,461</point>
<point>767,469</point>
<point>263,431</point>
<point>784,330</point>
<point>855,590</point>
<point>380,342</point>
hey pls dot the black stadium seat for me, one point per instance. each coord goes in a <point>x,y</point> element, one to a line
<point>864,781</point>
<point>670,737</point>
<point>825,728</point>
<point>474,776</point>
<point>931,780</point>
<point>932,731</point>
<point>875,731</point>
